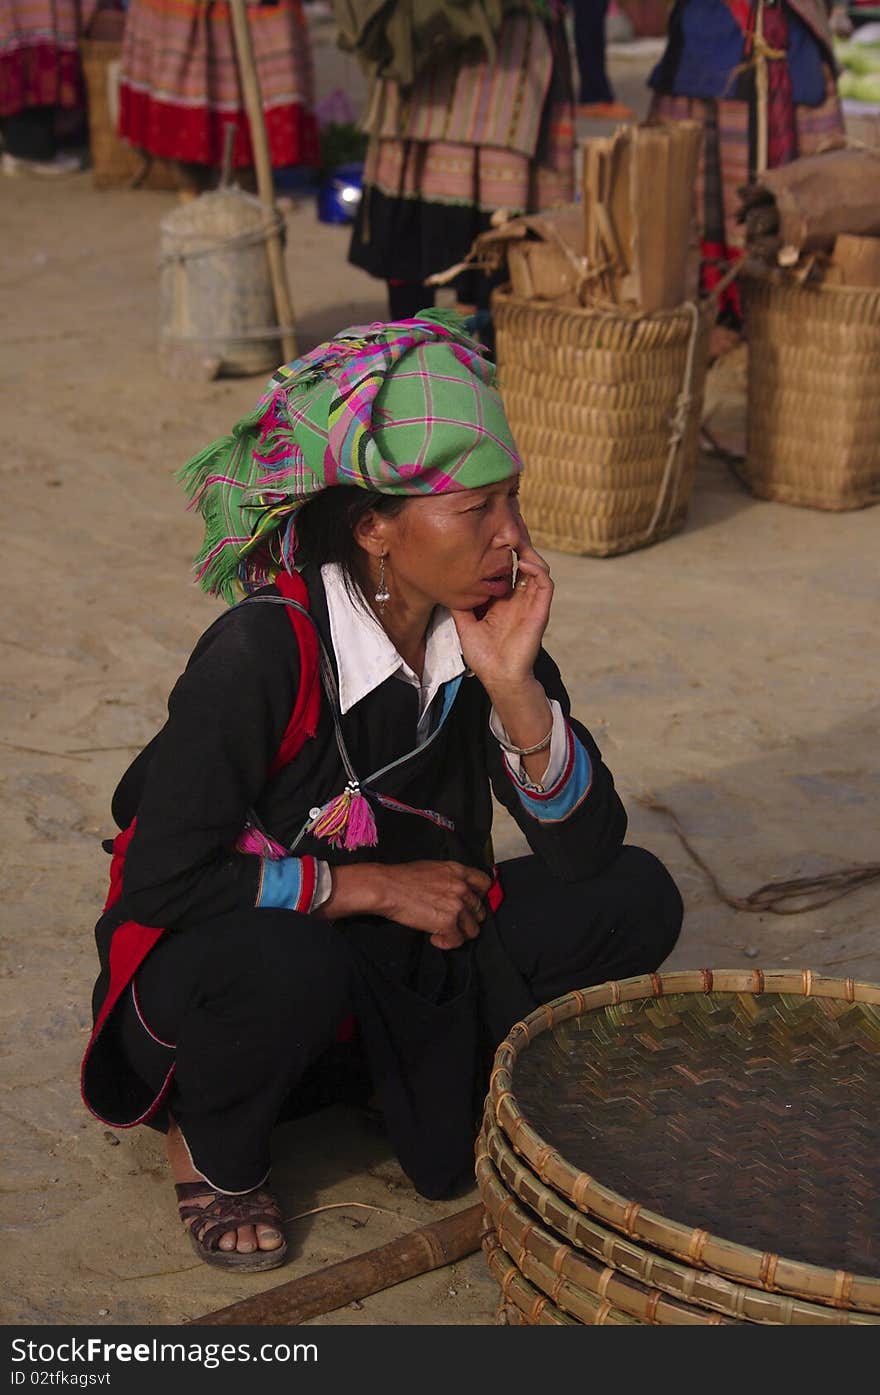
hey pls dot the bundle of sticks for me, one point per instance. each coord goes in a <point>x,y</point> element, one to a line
<point>638,259</point>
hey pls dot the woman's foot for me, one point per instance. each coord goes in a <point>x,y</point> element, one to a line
<point>253,1238</point>
<point>59,164</point>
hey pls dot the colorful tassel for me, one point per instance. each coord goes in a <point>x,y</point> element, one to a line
<point>251,840</point>
<point>347,821</point>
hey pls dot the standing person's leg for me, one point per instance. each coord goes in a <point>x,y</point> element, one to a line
<point>407,298</point>
<point>567,935</point>
<point>30,134</point>
<point>249,1002</point>
<point>589,43</point>
<point>30,145</point>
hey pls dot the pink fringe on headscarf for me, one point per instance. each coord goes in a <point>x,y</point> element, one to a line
<point>283,448</point>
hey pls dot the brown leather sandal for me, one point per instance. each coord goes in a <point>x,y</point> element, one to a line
<point>206,1224</point>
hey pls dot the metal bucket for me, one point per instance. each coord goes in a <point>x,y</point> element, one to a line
<point>215,288</point>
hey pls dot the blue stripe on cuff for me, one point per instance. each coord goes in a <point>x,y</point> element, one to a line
<point>280,884</point>
<point>565,798</point>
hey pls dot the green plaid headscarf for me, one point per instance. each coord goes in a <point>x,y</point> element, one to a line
<point>402,408</point>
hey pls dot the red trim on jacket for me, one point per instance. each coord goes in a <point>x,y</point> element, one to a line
<point>132,942</point>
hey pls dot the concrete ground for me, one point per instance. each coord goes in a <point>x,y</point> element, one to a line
<point>730,672</point>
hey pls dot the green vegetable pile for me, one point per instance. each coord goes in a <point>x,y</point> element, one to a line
<point>860,70</point>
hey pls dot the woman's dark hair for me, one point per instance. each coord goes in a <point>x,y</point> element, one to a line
<point>325,529</point>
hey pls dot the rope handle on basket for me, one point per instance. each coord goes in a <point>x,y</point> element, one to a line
<point>245,239</point>
<point>669,484</point>
<point>668,491</point>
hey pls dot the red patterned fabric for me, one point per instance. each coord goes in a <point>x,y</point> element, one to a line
<point>39,59</point>
<point>781,131</point>
<point>179,84</point>
<point>195,134</point>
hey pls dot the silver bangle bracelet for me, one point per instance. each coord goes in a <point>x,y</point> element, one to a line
<point>526,750</point>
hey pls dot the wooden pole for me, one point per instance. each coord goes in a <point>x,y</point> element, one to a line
<point>761,91</point>
<point>253,101</point>
<point>431,1247</point>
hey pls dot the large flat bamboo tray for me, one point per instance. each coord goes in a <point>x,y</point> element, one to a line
<point>574,1283</point>
<point>536,1309</point>
<point>725,1118</point>
<point>616,1252</point>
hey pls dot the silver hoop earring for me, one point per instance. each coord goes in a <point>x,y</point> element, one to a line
<point>383,595</point>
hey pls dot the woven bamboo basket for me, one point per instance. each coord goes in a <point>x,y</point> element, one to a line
<point>115,163</point>
<point>752,1096</point>
<point>533,1307</point>
<point>699,1288</point>
<point>813,434</point>
<point>605,408</point>
<point>573,1282</point>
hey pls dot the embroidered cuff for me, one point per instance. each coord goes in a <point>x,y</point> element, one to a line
<point>289,884</point>
<point>562,794</point>
<point>556,755</point>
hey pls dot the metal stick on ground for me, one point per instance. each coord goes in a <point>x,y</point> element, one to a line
<point>431,1247</point>
<point>250,83</point>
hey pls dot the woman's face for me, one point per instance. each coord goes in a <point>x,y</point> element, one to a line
<point>452,550</point>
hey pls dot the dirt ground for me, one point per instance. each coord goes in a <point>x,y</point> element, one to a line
<point>730,672</point>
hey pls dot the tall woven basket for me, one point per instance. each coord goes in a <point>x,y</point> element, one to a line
<point>115,163</point>
<point>695,1148</point>
<point>605,409</point>
<point>813,400</point>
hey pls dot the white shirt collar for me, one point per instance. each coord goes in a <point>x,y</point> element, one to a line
<point>365,656</point>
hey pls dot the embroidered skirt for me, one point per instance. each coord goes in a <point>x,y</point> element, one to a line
<point>468,141</point>
<point>179,86</point>
<point>726,160</point>
<point>39,61</point>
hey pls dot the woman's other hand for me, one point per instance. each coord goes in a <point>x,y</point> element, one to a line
<point>446,900</point>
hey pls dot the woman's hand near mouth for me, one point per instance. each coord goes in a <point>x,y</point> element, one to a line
<point>501,649</point>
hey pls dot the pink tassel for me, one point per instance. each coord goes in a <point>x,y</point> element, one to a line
<point>347,821</point>
<point>251,840</point>
<point>360,831</point>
